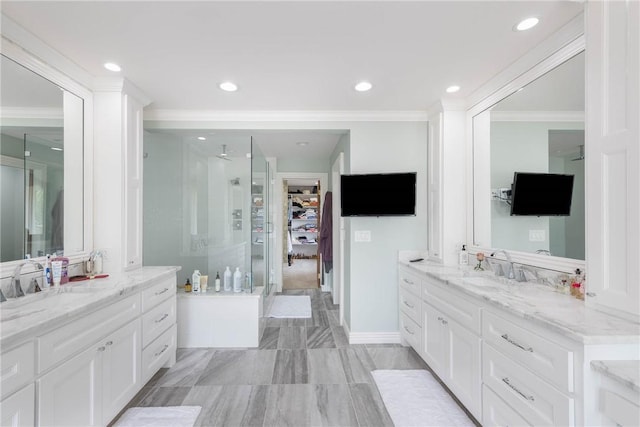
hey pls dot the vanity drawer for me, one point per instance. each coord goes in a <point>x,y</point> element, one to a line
<point>449,302</point>
<point>621,411</point>
<point>495,412</point>
<point>535,400</point>
<point>159,292</point>
<point>156,354</point>
<point>17,368</point>
<point>74,337</point>
<point>547,359</point>
<point>410,305</point>
<point>410,331</point>
<point>410,281</point>
<point>158,320</point>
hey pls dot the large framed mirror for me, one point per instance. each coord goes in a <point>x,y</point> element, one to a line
<point>535,129</point>
<point>41,165</point>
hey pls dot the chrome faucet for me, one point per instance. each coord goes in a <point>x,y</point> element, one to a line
<point>510,272</point>
<point>15,278</point>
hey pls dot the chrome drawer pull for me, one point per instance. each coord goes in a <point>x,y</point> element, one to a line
<point>407,304</point>
<point>166,346</point>
<point>102,348</point>
<point>510,341</point>
<point>162,291</point>
<point>444,322</point>
<point>164,316</point>
<point>506,381</point>
<point>408,281</point>
<point>407,329</point>
<point>109,343</point>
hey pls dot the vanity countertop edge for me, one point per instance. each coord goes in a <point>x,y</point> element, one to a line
<point>558,312</point>
<point>97,293</point>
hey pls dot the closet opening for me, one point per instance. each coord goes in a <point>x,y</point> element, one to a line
<point>302,213</point>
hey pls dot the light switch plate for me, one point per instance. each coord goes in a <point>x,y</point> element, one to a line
<point>362,236</point>
<point>537,235</point>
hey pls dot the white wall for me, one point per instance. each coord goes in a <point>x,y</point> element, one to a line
<point>371,270</point>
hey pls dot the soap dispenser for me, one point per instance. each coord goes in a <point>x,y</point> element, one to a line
<point>463,259</point>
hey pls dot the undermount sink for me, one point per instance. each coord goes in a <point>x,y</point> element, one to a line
<point>486,281</point>
<point>37,303</point>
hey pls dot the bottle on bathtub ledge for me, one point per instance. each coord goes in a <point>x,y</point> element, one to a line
<point>227,280</point>
<point>237,280</point>
<point>195,281</point>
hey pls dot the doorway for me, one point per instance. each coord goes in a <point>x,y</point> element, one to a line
<point>301,213</point>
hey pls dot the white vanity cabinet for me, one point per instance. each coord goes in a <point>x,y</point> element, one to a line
<point>410,287</point>
<point>92,387</point>
<point>451,349</point>
<point>19,408</point>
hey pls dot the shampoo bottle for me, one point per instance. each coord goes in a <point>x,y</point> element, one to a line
<point>227,280</point>
<point>463,259</point>
<point>237,280</point>
<point>195,281</point>
<point>217,281</point>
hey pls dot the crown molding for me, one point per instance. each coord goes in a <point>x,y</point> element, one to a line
<point>29,51</point>
<point>120,84</point>
<point>569,40</point>
<point>537,116</point>
<point>285,116</point>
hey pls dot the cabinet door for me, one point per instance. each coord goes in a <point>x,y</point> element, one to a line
<point>433,339</point>
<point>120,369</point>
<point>464,368</point>
<point>71,394</point>
<point>18,409</point>
<point>133,182</point>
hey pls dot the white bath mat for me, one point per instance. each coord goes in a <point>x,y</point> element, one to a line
<point>291,306</point>
<point>174,416</point>
<point>415,398</point>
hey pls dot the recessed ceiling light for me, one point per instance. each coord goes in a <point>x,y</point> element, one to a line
<point>112,67</point>
<point>363,86</point>
<point>202,138</point>
<point>228,86</point>
<point>453,89</point>
<point>527,24</point>
<point>302,143</point>
<point>56,148</point>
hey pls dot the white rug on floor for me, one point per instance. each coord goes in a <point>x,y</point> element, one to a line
<point>291,306</point>
<point>174,416</point>
<point>415,398</point>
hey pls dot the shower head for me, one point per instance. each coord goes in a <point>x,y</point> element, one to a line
<point>580,156</point>
<point>223,155</point>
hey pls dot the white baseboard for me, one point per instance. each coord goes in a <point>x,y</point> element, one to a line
<point>373,337</point>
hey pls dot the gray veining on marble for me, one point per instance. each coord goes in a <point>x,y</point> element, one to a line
<point>334,317</point>
<point>325,366</point>
<point>269,340</point>
<point>539,304</point>
<point>211,399</point>
<point>339,336</point>
<point>165,396</point>
<point>292,337</point>
<point>330,405</point>
<point>288,405</point>
<point>36,314</point>
<point>318,318</point>
<point>252,367</point>
<point>190,363</point>
<point>370,410</point>
<point>244,405</point>
<point>626,372</point>
<point>357,364</point>
<point>291,367</point>
<point>320,337</point>
<point>396,358</point>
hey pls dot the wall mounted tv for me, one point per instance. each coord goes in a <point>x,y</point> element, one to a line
<point>383,194</point>
<point>541,194</point>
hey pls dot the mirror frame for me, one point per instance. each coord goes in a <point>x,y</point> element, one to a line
<point>35,56</point>
<point>558,57</point>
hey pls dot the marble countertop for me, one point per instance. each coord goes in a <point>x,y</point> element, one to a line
<point>626,372</point>
<point>540,304</point>
<point>36,314</point>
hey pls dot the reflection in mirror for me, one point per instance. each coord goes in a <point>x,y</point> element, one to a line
<point>41,155</point>
<point>539,128</point>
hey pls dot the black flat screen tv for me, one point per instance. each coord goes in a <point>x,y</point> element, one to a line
<point>383,194</point>
<point>541,194</point>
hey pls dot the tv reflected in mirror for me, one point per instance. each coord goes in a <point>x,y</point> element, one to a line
<point>541,194</point>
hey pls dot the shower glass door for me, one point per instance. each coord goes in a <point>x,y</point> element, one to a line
<point>260,223</point>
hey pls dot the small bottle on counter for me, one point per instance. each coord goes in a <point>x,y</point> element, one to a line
<point>237,280</point>
<point>463,258</point>
<point>195,280</point>
<point>217,284</point>
<point>227,280</point>
<point>187,286</point>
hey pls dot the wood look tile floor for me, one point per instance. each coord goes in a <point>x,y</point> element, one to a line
<point>304,373</point>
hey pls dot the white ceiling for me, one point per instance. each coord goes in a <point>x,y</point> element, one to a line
<point>303,55</point>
